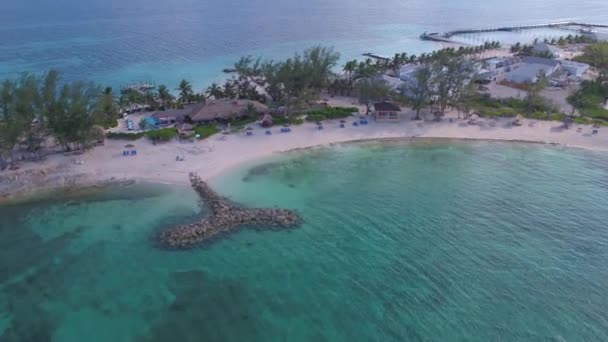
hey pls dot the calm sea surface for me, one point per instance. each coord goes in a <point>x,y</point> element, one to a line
<point>422,241</point>
<point>116,42</point>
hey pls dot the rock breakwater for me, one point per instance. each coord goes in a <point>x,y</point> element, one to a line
<point>224,217</point>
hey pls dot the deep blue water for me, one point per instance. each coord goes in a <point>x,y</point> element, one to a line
<point>117,42</point>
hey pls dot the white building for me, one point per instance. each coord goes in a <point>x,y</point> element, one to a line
<point>575,68</point>
<point>545,48</point>
<point>408,72</point>
<point>599,36</point>
<point>494,63</point>
<point>395,83</point>
<point>531,68</point>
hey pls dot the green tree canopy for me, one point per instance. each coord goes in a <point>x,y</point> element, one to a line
<point>372,90</point>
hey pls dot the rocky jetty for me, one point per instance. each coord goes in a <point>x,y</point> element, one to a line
<point>224,217</point>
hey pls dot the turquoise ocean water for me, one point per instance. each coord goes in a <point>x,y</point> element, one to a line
<point>119,42</point>
<point>418,241</point>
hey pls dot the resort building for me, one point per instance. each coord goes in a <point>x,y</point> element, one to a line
<point>546,49</point>
<point>575,69</point>
<point>172,116</point>
<point>393,82</point>
<point>225,110</point>
<point>599,36</point>
<point>387,112</point>
<point>494,63</point>
<point>497,63</point>
<point>531,68</point>
<point>408,72</point>
<point>185,130</point>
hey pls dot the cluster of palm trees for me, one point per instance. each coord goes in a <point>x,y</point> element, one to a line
<point>161,97</point>
<point>357,69</point>
<point>527,49</point>
<point>235,88</point>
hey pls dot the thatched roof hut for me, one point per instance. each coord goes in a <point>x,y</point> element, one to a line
<point>224,110</point>
<point>518,121</point>
<point>473,119</point>
<point>185,129</point>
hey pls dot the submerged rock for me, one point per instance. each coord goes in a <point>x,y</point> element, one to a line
<point>224,217</point>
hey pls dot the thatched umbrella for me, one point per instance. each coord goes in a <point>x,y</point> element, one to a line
<point>518,120</point>
<point>473,119</point>
<point>98,133</point>
<point>567,122</point>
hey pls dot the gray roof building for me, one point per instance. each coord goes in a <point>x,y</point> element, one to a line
<point>546,48</point>
<point>531,68</point>
<point>600,36</point>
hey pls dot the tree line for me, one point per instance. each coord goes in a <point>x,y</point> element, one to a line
<point>528,49</point>
<point>355,70</point>
<point>33,109</point>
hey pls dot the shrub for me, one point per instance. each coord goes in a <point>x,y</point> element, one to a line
<point>330,113</point>
<point>164,134</point>
<point>206,131</point>
<point>124,136</point>
<point>282,120</point>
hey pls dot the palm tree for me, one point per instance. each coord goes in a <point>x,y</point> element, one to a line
<point>185,91</point>
<point>229,90</point>
<point>165,98</point>
<point>349,68</point>
<point>215,90</point>
<point>422,58</point>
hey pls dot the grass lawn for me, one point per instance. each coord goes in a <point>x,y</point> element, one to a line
<point>206,131</point>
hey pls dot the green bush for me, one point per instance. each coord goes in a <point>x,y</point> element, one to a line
<point>164,134</point>
<point>124,136</point>
<point>206,130</point>
<point>330,113</point>
<point>282,120</point>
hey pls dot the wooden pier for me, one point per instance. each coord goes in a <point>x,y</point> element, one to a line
<point>374,56</point>
<point>574,26</point>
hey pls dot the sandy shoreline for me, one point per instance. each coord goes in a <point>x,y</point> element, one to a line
<point>212,157</point>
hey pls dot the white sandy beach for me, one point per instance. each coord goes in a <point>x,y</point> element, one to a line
<point>211,157</point>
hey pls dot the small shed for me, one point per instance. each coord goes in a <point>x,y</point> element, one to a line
<point>387,112</point>
<point>473,119</point>
<point>518,121</point>
<point>266,120</point>
<point>185,130</point>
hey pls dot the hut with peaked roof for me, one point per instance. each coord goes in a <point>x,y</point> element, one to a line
<point>185,130</point>
<point>387,112</point>
<point>473,119</point>
<point>226,110</point>
<point>175,115</point>
<point>266,120</point>
<point>518,121</point>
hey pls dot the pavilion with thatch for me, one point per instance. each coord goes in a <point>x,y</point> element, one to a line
<point>387,112</point>
<point>226,110</point>
<point>518,121</point>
